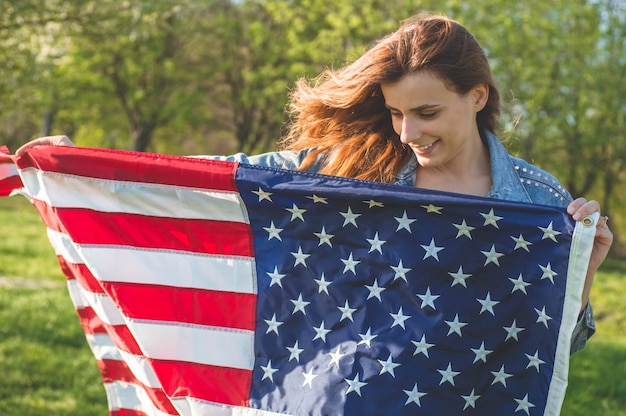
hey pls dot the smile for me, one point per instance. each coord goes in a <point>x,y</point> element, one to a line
<point>425,147</point>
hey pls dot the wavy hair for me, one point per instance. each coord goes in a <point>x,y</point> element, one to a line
<point>342,116</point>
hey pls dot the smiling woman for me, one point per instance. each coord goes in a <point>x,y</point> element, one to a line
<point>419,109</point>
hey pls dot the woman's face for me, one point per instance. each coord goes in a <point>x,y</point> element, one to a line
<point>436,122</point>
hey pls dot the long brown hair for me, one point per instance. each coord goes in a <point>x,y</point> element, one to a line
<point>342,114</point>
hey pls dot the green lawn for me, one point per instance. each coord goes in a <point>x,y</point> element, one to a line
<point>46,367</point>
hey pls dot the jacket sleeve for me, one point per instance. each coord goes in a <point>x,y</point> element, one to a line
<point>584,329</point>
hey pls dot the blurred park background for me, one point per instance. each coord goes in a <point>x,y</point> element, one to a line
<point>213,77</point>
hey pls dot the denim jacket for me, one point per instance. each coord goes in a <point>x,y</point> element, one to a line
<point>513,179</point>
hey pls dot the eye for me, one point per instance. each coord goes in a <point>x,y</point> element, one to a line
<point>395,114</point>
<point>430,114</point>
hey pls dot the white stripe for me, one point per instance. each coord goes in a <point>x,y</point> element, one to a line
<point>171,268</point>
<point>7,170</point>
<point>130,396</point>
<point>103,347</point>
<point>141,369</point>
<point>182,342</point>
<point>76,294</point>
<point>190,406</point>
<point>101,303</point>
<point>64,246</point>
<point>71,191</point>
<point>580,252</point>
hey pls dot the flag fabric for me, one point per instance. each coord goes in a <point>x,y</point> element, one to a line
<point>215,288</point>
<point>9,178</point>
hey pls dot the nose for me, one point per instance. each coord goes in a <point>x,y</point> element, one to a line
<point>410,130</point>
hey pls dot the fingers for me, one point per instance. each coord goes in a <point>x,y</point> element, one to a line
<point>47,140</point>
<point>580,208</point>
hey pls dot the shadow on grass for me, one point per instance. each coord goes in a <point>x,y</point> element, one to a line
<point>597,382</point>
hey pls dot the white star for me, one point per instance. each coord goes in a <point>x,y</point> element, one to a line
<point>470,400</point>
<point>401,271</point>
<point>376,244</point>
<point>432,208</point>
<point>388,366</point>
<point>299,305</point>
<point>548,273</point>
<point>428,299</point>
<point>323,284</point>
<point>276,277</point>
<point>448,375</point>
<point>349,264</point>
<point>318,199</point>
<point>464,229</point>
<point>375,290</point>
<point>354,385</point>
<point>404,222</point>
<point>512,331</point>
<point>324,238</point>
<point>455,325</point>
<point>524,404</point>
<point>273,232</point>
<point>349,217</point>
<point>272,325</point>
<point>534,360</point>
<point>320,332</point>
<point>294,352</point>
<point>371,203</point>
<point>296,212</point>
<point>308,378</point>
<point>431,250</point>
<point>263,195</point>
<point>336,356</point>
<point>422,346</point>
<point>548,232</point>
<point>346,311</point>
<point>268,371</point>
<point>399,318</point>
<point>300,257</point>
<point>521,243</point>
<point>414,396</point>
<point>519,284</point>
<point>367,338</point>
<point>542,316</point>
<point>487,304</point>
<point>492,256</point>
<point>459,277</point>
<point>500,376</point>
<point>491,219</point>
<point>481,353</point>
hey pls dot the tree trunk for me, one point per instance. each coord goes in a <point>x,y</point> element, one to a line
<point>141,136</point>
<point>48,119</point>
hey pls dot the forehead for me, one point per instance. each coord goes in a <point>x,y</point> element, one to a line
<point>415,89</point>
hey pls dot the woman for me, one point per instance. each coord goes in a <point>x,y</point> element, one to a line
<point>419,108</point>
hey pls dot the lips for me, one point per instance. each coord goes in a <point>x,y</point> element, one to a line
<point>425,147</point>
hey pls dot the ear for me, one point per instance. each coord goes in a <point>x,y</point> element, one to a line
<point>480,95</point>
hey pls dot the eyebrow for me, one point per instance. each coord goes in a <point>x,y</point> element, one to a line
<point>416,109</point>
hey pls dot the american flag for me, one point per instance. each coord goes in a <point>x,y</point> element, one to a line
<point>211,287</point>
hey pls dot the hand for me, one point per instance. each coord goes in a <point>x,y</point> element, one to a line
<point>47,140</point>
<point>602,242</point>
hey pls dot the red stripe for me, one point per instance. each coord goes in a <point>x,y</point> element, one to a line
<point>189,305</point>
<point>81,274</point>
<point>120,334</point>
<point>9,184</point>
<point>115,370</point>
<point>132,166</point>
<point>127,412</point>
<point>86,226</point>
<point>205,382</point>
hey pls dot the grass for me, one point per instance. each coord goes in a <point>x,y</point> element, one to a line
<point>46,366</point>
